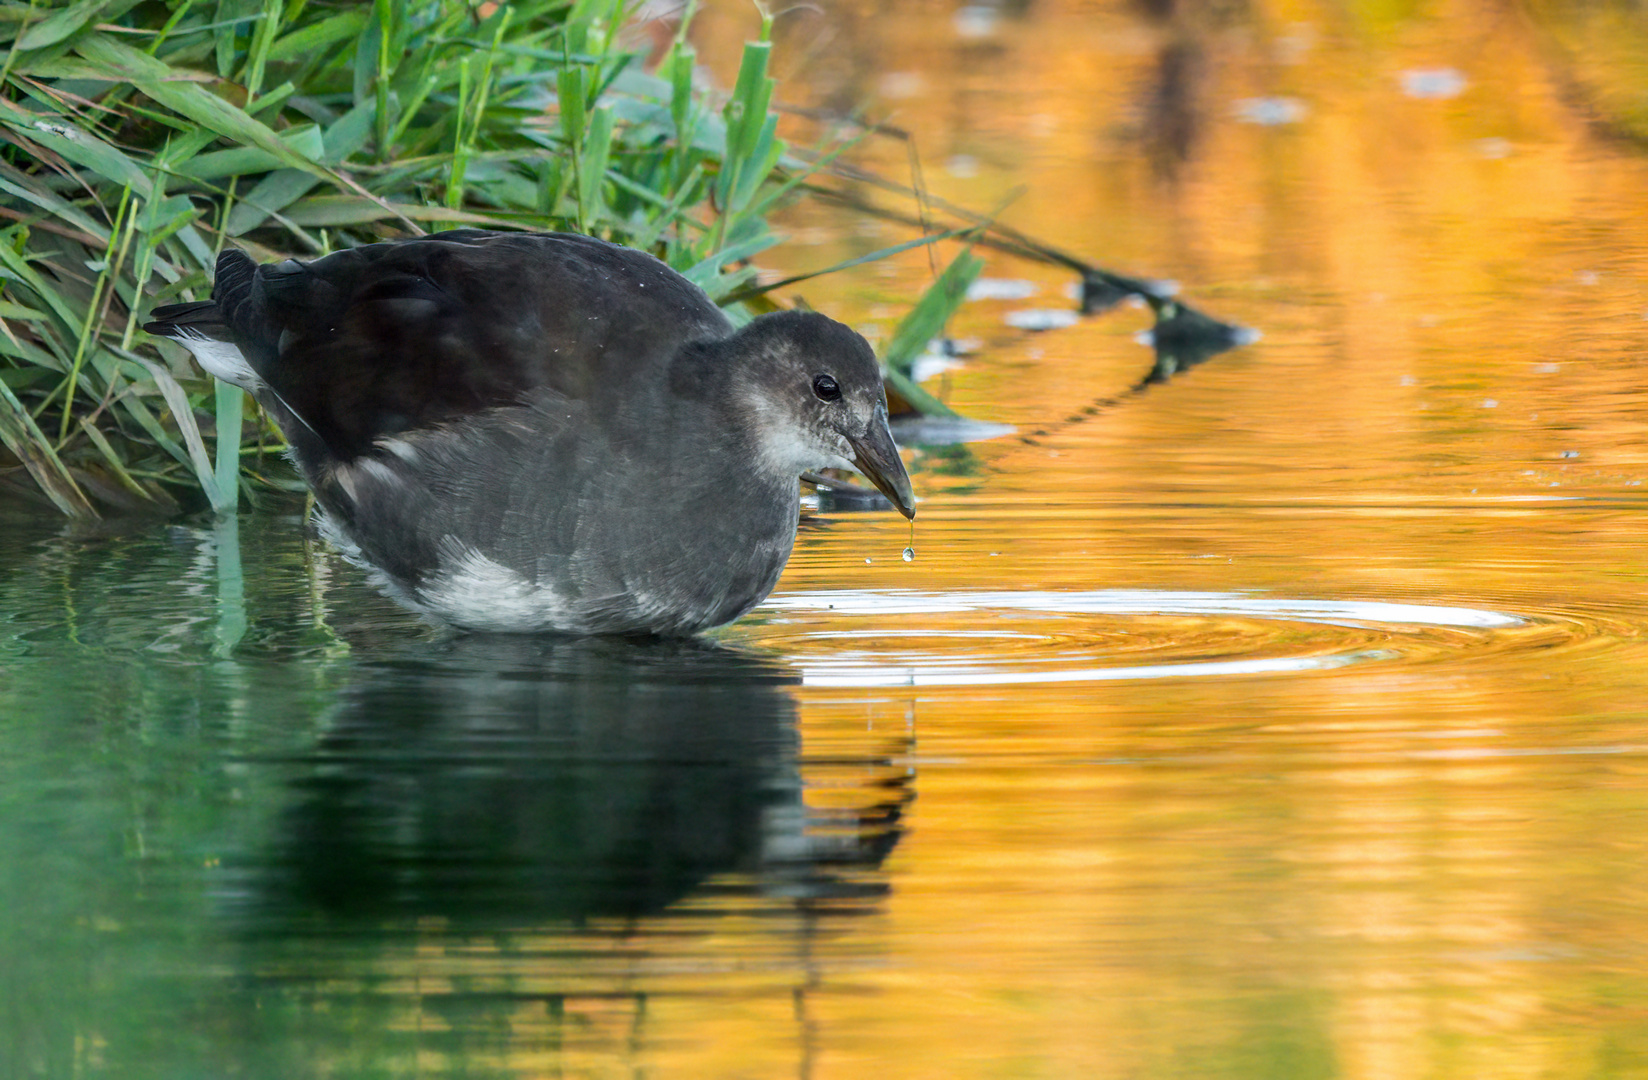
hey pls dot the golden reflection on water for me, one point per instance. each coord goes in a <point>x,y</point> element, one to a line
<point>1431,865</point>
<point>1421,850</point>
<point>1427,862</point>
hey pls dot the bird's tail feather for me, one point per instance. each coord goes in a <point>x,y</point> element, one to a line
<point>191,321</point>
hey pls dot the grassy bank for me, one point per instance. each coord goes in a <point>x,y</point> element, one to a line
<point>142,137</point>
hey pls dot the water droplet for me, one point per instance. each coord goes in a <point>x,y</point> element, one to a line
<point>909,554</point>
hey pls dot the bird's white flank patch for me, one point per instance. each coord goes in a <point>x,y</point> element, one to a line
<point>477,593</point>
<point>468,590</point>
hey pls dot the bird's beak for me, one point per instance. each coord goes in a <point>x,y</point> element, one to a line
<point>876,456</point>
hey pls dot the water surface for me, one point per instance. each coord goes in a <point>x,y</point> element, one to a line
<point>1286,719</point>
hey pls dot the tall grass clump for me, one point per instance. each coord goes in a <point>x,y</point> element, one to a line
<point>142,136</point>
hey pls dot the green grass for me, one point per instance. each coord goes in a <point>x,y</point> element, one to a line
<point>141,137</point>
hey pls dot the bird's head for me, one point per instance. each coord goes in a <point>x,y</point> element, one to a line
<point>813,394</point>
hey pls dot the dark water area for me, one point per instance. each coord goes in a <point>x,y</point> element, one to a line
<point>1284,719</point>
<point>235,820</point>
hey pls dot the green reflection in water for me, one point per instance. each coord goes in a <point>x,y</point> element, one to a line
<point>227,850</point>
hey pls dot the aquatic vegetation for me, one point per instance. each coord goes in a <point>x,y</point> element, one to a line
<point>143,138</point>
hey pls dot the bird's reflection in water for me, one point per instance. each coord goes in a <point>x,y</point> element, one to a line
<point>500,783</point>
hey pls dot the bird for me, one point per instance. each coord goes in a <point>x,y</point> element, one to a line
<point>544,432</point>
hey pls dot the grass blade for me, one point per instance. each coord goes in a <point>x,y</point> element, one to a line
<point>592,167</point>
<point>111,458</point>
<point>926,320</point>
<point>76,145</point>
<point>24,439</point>
<point>189,99</point>
<point>317,37</point>
<point>184,417</point>
<point>60,24</point>
<point>919,399</point>
<point>874,256</point>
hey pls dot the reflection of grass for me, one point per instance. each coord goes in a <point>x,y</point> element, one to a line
<point>142,139</point>
<point>134,714</point>
<point>1600,51</point>
<point>958,460</point>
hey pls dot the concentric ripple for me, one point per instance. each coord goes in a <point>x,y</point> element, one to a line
<point>863,638</point>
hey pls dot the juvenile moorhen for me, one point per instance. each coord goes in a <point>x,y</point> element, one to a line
<point>544,432</point>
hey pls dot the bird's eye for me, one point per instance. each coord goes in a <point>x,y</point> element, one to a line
<point>826,388</point>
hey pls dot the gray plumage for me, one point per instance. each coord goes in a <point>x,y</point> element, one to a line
<point>528,432</point>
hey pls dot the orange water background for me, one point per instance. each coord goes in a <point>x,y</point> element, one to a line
<point>1109,841</point>
<point>1432,868</point>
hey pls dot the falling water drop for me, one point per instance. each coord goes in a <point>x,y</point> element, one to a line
<point>909,554</point>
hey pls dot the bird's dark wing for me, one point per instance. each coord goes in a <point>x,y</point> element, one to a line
<point>389,338</point>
